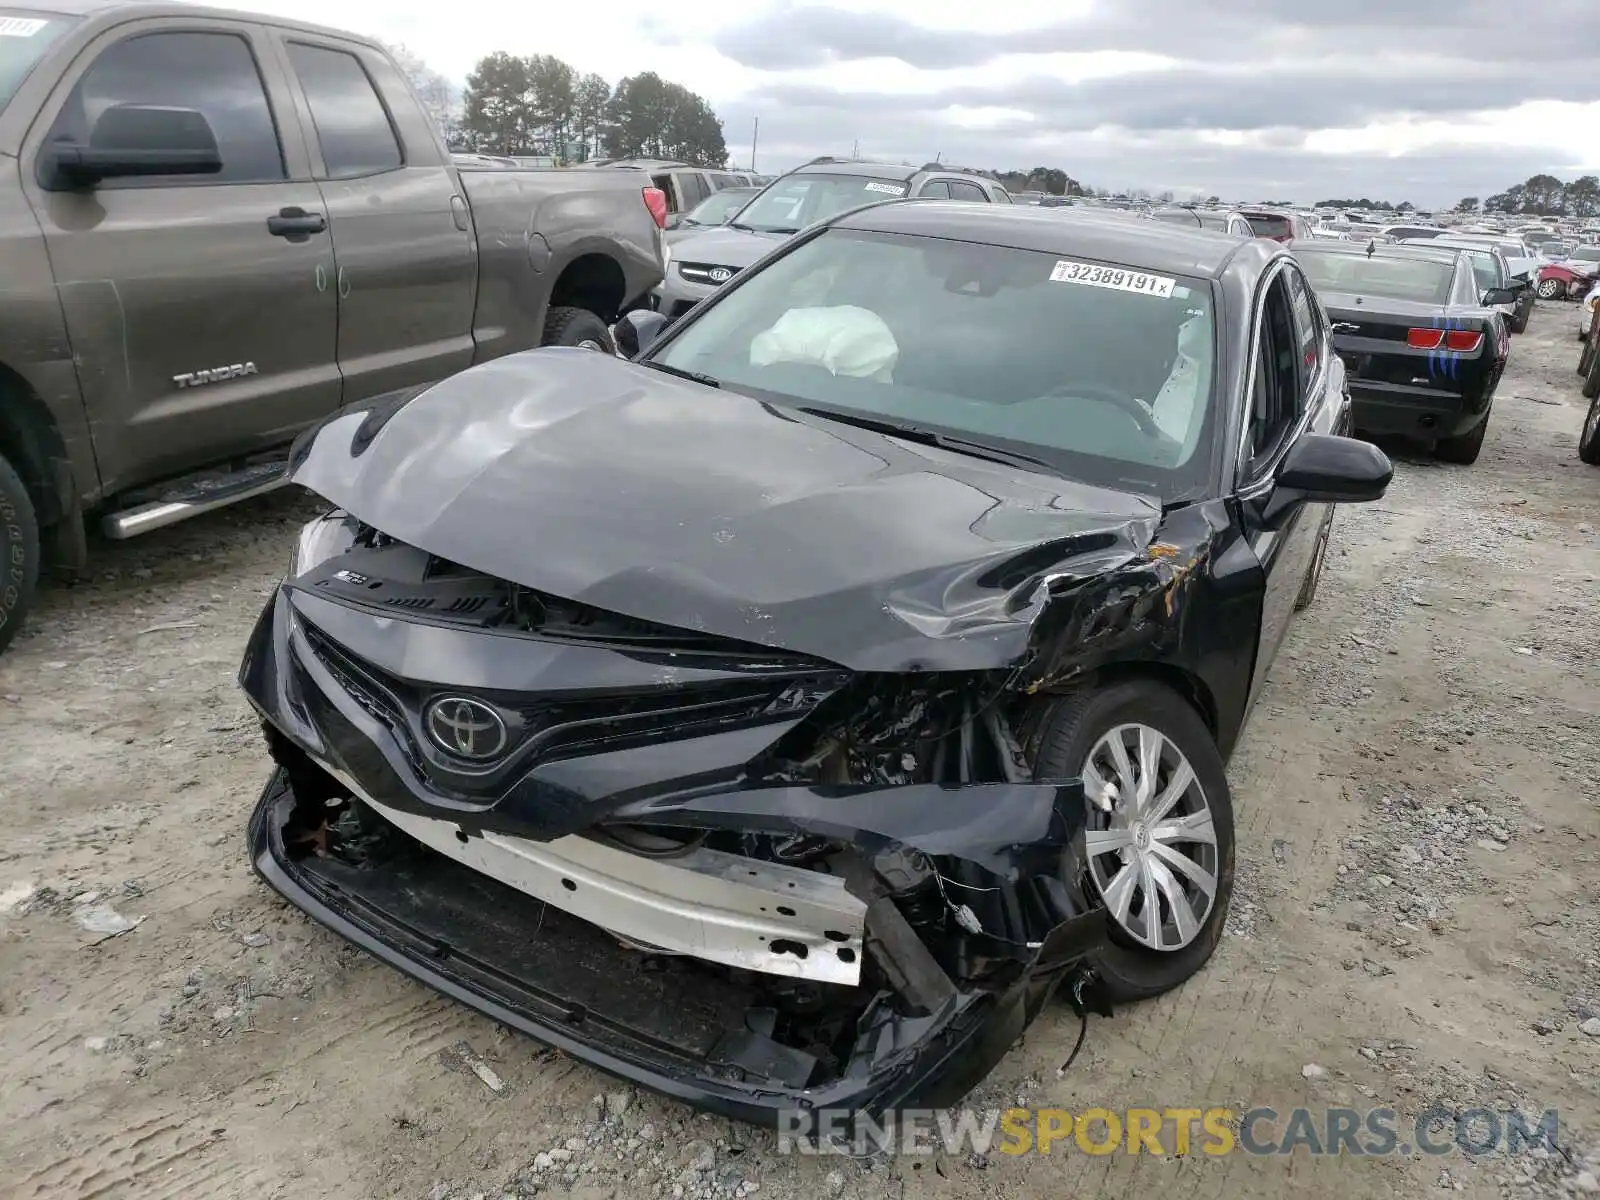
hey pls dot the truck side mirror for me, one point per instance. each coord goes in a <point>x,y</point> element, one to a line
<point>130,140</point>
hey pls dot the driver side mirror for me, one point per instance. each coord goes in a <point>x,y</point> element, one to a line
<point>1327,469</point>
<point>136,140</point>
<point>1500,295</point>
<point>637,330</point>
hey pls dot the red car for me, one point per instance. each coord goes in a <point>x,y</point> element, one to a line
<point>1276,224</point>
<point>1572,277</point>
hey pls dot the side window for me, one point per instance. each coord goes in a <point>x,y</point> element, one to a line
<point>1307,324</point>
<point>214,73</point>
<point>695,188</point>
<point>960,189</point>
<point>936,189</point>
<point>1275,389</point>
<point>352,125</point>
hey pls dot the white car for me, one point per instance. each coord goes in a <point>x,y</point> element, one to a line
<point>1586,311</point>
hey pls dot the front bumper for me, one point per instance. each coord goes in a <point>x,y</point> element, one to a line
<point>734,982</point>
<point>675,295</point>
<point>666,1024</point>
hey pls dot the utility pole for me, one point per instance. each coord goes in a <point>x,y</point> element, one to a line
<point>855,150</point>
<point>755,136</point>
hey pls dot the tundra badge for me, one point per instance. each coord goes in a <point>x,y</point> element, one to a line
<point>215,375</point>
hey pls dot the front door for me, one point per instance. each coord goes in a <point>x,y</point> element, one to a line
<point>1278,397</point>
<point>199,334</point>
<point>407,261</point>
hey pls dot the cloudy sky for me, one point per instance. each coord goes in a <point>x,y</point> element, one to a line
<point>1426,100</point>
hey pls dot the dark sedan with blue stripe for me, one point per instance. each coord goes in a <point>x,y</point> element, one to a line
<point>1423,350</point>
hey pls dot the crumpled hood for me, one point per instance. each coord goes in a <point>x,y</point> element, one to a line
<point>605,482</point>
<point>723,247</point>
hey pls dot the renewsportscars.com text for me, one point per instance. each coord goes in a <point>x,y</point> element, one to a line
<point>1374,1132</point>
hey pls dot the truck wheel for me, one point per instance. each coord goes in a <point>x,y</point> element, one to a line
<point>1463,449</point>
<point>1161,858</point>
<point>1589,439</point>
<point>577,327</point>
<point>1591,378</point>
<point>19,553</point>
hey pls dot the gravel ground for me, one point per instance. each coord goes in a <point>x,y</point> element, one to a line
<point>1417,920</point>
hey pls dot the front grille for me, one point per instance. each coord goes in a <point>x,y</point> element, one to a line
<point>709,274</point>
<point>548,729</point>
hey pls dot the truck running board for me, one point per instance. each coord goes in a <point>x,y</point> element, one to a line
<point>194,496</point>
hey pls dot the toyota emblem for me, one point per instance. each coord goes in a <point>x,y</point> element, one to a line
<point>466,728</point>
<point>720,274</point>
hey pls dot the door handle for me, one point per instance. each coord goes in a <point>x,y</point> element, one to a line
<point>296,224</point>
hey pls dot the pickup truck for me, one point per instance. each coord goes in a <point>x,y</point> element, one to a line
<point>217,229</point>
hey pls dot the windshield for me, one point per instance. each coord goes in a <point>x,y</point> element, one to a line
<point>1587,254</point>
<point>1102,372</point>
<point>24,37</point>
<point>718,207</point>
<point>795,201</point>
<point>1419,279</point>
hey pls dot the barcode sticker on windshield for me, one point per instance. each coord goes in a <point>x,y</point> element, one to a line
<point>20,26</point>
<point>891,189</point>
<point>1118,278</point>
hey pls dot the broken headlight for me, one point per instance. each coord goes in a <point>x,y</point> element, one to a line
<point>326,537</point>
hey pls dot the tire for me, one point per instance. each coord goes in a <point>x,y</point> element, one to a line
<point>1587,355</point>
<point>1591,377</point>
<point>577,327</point>
<point>1463,449</point>
<point>1519,323</point>
<point>1551,289</point>
<point>1589,438</point>
<point>1072,734</point>
<point>19,553</point>
<point>1308,589</point>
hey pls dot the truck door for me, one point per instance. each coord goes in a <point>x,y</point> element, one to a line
<point>406,257</point>
<point>202,324</point>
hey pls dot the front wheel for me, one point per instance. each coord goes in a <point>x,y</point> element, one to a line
<point>19,553</point>
<point>1551,289</point>
<point>577,327</point>
<point>1589,439</point>
<point>1160,837</point>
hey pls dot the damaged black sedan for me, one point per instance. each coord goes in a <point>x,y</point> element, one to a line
<point>780,718</point>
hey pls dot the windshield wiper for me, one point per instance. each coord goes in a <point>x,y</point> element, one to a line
<point>932,437</point>
<point>696,376</point>
<point>782,229</point>
<point>741,228</point>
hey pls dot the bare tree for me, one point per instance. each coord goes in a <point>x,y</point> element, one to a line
<point>434,91</point>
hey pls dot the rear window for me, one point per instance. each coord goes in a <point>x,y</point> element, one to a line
<point>24,37</point>
<point>1418,279</point>
<point>1269,225</point>
<point>795,201</point>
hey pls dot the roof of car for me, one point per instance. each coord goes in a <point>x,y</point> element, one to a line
<point>1142,245</point>
<point>854,166</point>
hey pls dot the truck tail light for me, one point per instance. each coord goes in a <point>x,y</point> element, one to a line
<point>1424,339</point>
<point>656,201</point>
<point>1466,341</point>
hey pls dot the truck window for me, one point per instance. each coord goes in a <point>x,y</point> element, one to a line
<point>215,73</point>
<point>24,37</point>
<point>960,189</point>
<point>352,125</point>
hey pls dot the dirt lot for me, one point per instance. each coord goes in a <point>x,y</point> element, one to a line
<point>1418,913</point>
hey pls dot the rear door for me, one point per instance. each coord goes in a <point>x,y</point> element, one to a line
<point>199,333</point>
<point>406,262</point>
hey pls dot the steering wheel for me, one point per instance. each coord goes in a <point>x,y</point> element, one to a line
<point>1098,391</point>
